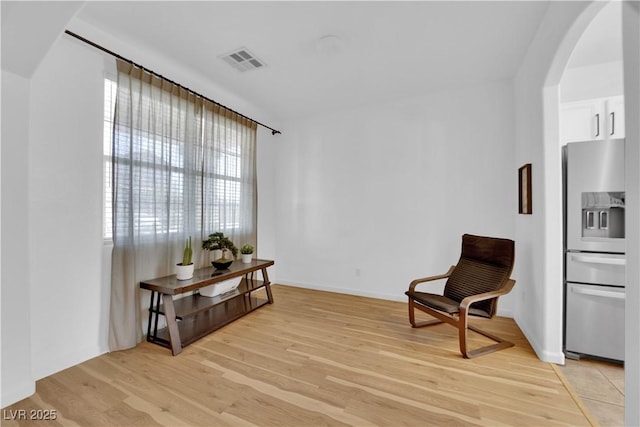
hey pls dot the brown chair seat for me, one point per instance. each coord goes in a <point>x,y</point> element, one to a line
<point>472,288</point>
<point>442,303</point>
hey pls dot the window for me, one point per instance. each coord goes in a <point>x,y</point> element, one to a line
<point>214,187</point>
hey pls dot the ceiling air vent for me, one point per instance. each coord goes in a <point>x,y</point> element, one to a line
<point>242,60</point>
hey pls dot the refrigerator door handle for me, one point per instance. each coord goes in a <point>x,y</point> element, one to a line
<point>613,123</point>
<point>591,259</point>
<point>599,293</point>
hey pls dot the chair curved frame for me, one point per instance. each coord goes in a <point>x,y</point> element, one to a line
<point>460,320</point>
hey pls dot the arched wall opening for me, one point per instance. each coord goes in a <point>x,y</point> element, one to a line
<point>553,230</point>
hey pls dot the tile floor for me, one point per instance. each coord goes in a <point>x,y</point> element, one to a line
<point>600,386</point>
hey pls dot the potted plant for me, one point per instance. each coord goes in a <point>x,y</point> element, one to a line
<point>184,270</point>
<point>219,241</point>
<point>247,253</point>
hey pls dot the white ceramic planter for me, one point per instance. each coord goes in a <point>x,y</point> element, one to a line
<point>220,287</point>
<point>184,272</point>
<point>246,258</point>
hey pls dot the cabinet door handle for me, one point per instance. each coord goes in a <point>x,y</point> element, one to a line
<point>613,123</point>
<point>597,124</point>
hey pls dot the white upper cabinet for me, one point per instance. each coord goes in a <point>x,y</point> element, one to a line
<point>581,121</point>
<point>601,118</point>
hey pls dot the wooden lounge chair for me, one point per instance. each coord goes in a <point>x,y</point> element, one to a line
<point>473,287</point>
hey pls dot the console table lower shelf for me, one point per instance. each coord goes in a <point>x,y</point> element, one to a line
<point>194,316</point>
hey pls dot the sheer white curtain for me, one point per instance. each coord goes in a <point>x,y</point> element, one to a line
<point>181,167</point>
<point>229,185</point>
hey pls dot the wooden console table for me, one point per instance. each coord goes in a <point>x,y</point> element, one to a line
<point>192,317</point>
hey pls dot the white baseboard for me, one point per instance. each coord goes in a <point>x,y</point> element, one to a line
<point>505,313</point>
<point>543,354</point>
<point>16,394</point>
<point>347,291</point>
<point>67,360</point>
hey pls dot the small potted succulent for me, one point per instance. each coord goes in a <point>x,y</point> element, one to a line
<point>184,270</point>
<point>247,253</point>
<point>219,241</point>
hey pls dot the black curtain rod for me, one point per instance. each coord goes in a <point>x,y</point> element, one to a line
<point>97,46</point>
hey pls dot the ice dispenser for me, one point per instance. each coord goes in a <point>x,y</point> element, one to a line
<point>603,214</point>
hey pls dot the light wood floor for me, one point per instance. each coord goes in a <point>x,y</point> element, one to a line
<point>313,359</point>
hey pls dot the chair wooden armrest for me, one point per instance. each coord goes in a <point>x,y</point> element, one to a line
<point>416,282</point>
<point>465,303</point>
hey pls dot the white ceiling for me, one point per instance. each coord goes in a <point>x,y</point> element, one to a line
<point>28,31</point>
<point>387,49</point>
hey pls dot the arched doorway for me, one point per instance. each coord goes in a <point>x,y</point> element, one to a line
<point>552,165</point>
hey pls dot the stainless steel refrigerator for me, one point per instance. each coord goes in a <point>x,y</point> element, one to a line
<point>594,249</point>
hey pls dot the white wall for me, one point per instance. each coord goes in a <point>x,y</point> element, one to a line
<point>373,197</point>
<point>539,237</point>
<point>631,42</point>
<point>68,304</point>
<point>267,194</point>
<point>17,381</point>
<point>594,81</point>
